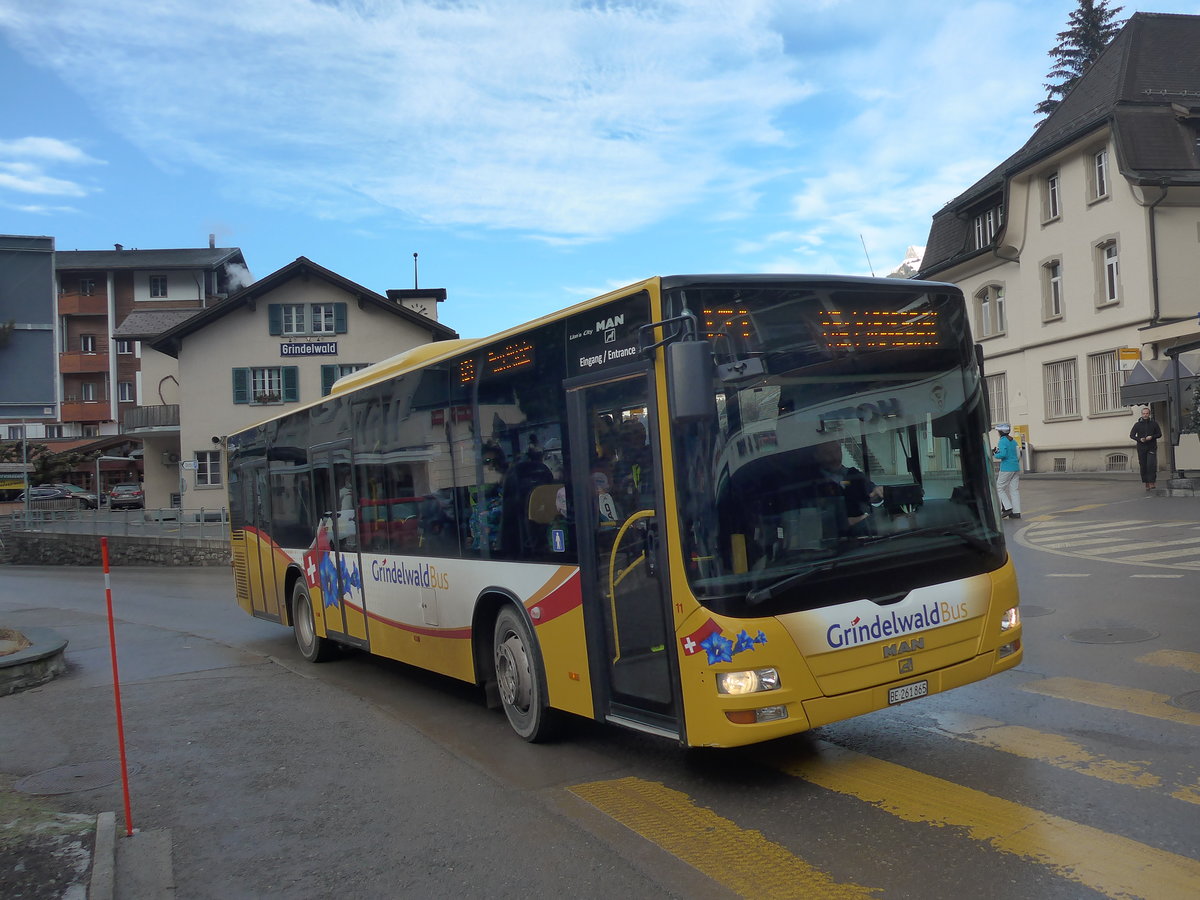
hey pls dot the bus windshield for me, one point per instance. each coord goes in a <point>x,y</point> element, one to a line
<point>846,458</point>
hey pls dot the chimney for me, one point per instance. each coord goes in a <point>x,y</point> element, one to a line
<point>119,247</point>
<point>212,242</point>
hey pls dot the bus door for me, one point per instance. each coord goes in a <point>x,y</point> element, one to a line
<point>256,501</point>
<point>617,524</point>
<point>336,555</point>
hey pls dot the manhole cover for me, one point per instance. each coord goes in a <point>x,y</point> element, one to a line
<point>1111,635</point>
<point>68,779</point>
<point>1189,701</point>
<point>1029,611</point>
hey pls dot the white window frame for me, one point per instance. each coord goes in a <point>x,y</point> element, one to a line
<point>87,391</point>
<point>159,287</point>
<point>266,384</point>
<point>1052,290</point>
<point>54,431</point>
<point>124,347</point>
<point>997,388</point>
<point>1105,378</point>
<point>126,392</point>
<point>87,343</point>
<point>323,320</point>
<point>208,468</point>
<point>990,312</point>
<point>1108,263</point>
<point>1100,174</point>
<point>1060,383</point>
<point>293,318</point>
<point>16,432</point>
<point>87,287</point>
<point>1052,209</point>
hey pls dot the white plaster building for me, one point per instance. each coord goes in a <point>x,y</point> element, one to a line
<point>1086,243</point>
<point>280,341</point>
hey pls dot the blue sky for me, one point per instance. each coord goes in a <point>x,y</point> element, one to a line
<point>534,153</point>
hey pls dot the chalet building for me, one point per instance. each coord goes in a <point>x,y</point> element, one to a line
<point>1080,256</point>
<point>277,343</point>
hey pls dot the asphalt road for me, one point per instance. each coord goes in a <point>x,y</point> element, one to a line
<point>1075,775</point>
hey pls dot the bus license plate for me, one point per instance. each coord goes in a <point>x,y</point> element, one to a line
<point>908,692</point>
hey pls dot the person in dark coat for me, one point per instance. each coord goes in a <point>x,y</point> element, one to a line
<point>1146,432</point>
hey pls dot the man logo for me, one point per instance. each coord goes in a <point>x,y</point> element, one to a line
<point>906,665</point>
<point>610,336</point>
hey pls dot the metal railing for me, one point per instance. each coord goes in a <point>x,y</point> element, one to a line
<point>168,522</point>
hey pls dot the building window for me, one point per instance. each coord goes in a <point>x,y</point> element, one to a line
<point>987,223</point>
<point>1104,382</point>
<point>208,467</point>
<point>1052,290</point>
<point>87,286</point>
<point>292,319</point>
<point>1100,174</point>
<point>124,347</point>
<point>330,374</point>
<point>322,318</point>
<point>125,392</point>
<point>270,384</point>
<point>1061,389</point>
<point>1116,462</point>
<point>88,392</point>
<point>1110,272</point>
<point>91,431</point>
<point>158,286</point>
<point>1051,207</point>
<point>87,343</point>
<point>997,388</point>
<point>16,432</point>
<point>54,431</point>
<point>990,314</point>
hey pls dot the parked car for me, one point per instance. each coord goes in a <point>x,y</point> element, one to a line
<point>45,492</point>
<point>126,496</point>
<point>85,498</point>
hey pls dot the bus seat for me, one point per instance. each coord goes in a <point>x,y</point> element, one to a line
<point>543,503</point>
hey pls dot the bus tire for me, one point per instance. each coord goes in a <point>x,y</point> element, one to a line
<point>312,647</point>
<point>521,679</point>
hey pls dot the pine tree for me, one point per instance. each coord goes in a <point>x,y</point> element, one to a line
<point>1093,25</point>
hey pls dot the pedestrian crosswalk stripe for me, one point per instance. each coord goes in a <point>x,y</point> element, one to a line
<point>1113,865</point>
<point>741,860</point>
<point>1111,696</point>
<point>1142,545</point>
<point>1175,659</point>
<point>1155,576</point>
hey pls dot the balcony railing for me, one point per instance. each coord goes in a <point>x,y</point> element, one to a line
<point>143,417</point>
<point>74,362</point>
<point>85,411</point>
<point>74,304</point>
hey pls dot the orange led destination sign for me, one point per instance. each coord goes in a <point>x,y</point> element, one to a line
<point>879,329</point>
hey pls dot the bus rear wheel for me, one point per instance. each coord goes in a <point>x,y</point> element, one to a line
<point>521,678</point>
<point>312,647</point>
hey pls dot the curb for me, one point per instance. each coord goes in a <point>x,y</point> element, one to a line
<point>104,858</point>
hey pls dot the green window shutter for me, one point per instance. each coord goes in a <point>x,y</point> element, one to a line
<point>275,317</point>
<point>328,377</point>
<point>339,318</point>
<point>241,385</point>
<point>291,384</point>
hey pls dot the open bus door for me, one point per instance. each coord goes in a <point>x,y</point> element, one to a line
<point>616,502</point>
<point>336,545</point>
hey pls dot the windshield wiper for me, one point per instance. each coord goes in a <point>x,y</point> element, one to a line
<point>771,591</point>
<point>966,537</point>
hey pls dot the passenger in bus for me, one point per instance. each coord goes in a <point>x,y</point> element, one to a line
<point>518,536</point>
<point>854,491</point>
<point>632,471</point>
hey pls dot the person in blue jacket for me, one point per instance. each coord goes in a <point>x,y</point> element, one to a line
<point>1009,478</point>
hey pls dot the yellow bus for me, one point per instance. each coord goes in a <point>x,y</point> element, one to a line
<point>716,508</point>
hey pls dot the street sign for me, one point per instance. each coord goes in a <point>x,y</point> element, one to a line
<point>189,464</point>
<point>1128,357</point>
<point>1020,434</point>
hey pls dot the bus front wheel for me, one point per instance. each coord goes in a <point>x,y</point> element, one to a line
<point>312,647</point>
<point>521,679</point>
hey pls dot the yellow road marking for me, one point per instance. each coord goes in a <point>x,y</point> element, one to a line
<point>1111,696</point>
<point>1172,659</point>
<point>738,859</point>
<point>1053,749</point>
<point>1084,508</point>
<point>1113,865</point>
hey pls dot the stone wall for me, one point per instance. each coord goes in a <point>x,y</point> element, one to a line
<point>27,548</point>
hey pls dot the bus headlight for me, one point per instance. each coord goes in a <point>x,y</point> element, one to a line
<point>1011,619</point>
<point>749,682</point>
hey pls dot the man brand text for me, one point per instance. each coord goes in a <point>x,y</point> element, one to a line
<point>610,322</point>
<point>904,647</point>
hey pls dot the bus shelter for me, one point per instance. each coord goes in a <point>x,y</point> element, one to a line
<point>1170,382</point>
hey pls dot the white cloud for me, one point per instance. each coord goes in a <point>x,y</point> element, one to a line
<point>570,120</point>
<point>24,163</point>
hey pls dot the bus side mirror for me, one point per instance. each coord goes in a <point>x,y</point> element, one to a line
<point>689,381</point>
